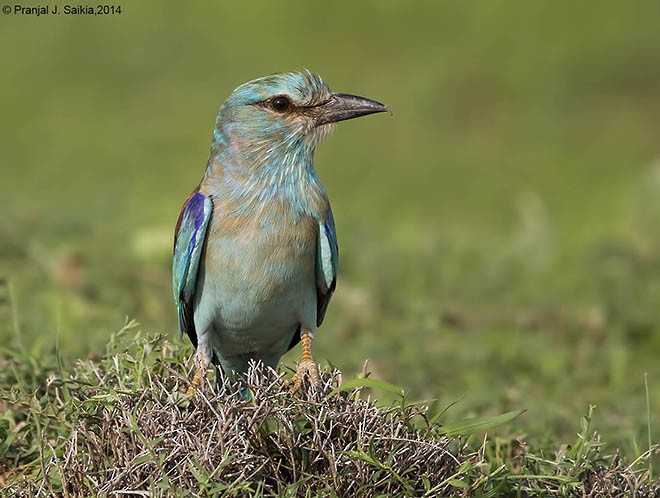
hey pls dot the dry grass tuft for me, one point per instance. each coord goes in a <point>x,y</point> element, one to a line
<point>273,439</point>
<point>158,440</point>
<point>123,427</point>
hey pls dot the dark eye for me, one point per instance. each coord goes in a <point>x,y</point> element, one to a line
<point>280,104</point>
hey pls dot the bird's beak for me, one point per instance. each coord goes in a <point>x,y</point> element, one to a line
<point>343,106</point>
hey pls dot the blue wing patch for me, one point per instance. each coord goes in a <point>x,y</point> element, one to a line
<point>327,262</point>
<point>188,244</point>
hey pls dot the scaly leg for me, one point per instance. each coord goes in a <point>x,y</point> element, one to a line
<point>306,365</point>
<point>202,360</point>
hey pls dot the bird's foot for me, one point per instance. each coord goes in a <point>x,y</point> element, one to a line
<point>194,384</point>
<point>306,368</point>
<point>201,364</point>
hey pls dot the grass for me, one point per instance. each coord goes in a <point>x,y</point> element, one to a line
<point>122,425</point>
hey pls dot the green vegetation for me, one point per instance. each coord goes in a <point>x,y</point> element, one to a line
<point>499,234</point>
<point>122,425</point>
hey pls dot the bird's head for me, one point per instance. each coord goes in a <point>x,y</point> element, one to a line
<point>286,113</point>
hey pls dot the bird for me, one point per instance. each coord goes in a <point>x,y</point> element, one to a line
<point>255,248</point>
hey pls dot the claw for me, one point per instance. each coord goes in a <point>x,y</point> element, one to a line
<point>306,368</point>
<point>201,364</point>
<point>196,381</point>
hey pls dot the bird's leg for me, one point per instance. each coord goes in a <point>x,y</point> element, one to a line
<point>306,365</point>
<point>202,360</point>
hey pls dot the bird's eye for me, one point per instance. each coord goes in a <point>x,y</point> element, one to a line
<point>280,104</point>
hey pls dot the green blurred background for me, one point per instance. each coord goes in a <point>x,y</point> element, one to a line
<point>499,234</point>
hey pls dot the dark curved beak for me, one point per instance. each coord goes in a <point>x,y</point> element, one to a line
<point>343,106</point>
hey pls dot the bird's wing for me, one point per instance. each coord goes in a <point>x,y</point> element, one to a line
<point>327,261</point>
<point>188,244</point>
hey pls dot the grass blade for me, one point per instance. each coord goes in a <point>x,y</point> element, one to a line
<point>474,425</point>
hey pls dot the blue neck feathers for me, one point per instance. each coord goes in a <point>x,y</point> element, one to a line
<point>255,165</point>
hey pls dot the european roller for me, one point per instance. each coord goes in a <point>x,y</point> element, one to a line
<point>255,249</point>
